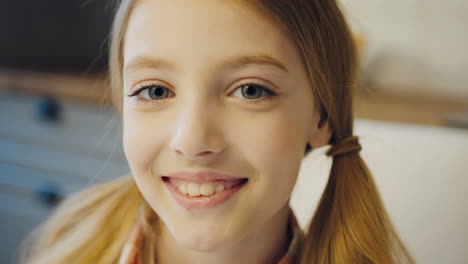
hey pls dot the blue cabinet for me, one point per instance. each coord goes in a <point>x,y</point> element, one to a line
<point>43,160</point>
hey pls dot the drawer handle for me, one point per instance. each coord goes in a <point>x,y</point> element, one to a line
<point>48,193</point>
<point>47,109</point>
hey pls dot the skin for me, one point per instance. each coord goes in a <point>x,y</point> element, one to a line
<point>206,122</point>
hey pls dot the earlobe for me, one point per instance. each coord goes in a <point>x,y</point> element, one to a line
<point>321,134</point>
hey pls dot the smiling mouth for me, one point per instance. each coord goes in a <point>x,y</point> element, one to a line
<point>204,195</point>
<point>207,188</point>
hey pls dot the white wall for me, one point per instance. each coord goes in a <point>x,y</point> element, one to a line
<point>418,46</point>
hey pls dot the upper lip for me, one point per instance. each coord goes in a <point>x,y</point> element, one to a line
<point>202,176</point>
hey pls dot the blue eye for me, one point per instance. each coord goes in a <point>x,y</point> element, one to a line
<point>253,91</point>
<point>150,93</point>
<point>155,92</point>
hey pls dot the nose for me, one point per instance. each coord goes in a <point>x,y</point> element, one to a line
<point>197,134</point>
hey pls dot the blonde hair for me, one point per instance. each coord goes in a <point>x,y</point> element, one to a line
<point>350,224</point>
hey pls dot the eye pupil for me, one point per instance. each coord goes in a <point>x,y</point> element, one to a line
<point>155,92</point>
<point>251,91</point>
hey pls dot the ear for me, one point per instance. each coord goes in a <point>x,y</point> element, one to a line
<point>321,134</point>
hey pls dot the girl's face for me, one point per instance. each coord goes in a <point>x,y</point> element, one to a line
<point>227,93</point>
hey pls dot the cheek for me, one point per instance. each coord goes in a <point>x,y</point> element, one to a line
<point>275,139</point>
<point>274,144</point>
<point>142,147</point>
<point>139,142</point>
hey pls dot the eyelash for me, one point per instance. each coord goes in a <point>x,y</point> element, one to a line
<point>269,94</point>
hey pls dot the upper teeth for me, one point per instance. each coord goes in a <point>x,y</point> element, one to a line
<point>206,188</point>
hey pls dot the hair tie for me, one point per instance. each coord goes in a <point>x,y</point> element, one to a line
<point>344,146</point>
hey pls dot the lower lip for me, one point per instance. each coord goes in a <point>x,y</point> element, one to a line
<point>201,202</point>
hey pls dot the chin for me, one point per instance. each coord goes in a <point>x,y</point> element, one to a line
<point>203,243</point>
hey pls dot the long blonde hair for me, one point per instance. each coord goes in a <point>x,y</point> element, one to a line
<point>350,224</point>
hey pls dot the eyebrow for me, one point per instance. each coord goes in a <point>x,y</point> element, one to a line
<point>235,62</point>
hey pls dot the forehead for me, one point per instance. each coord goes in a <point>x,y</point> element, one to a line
<point>203,32</point>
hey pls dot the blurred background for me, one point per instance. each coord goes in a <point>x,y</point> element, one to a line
<point>58,133</point>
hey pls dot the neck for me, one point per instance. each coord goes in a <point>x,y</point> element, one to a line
<point>266,245</point>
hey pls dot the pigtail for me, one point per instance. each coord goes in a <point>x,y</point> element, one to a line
<point>90,226</point>
<point>350,224</point>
